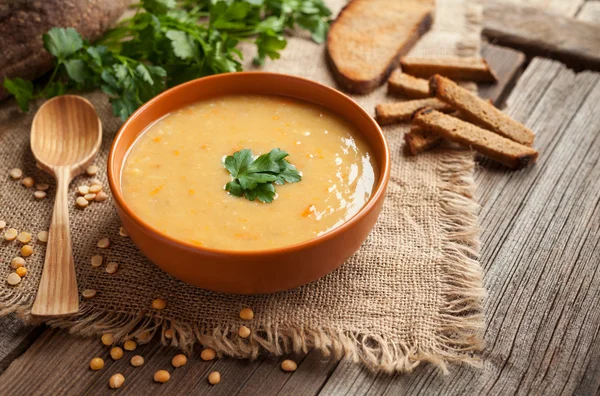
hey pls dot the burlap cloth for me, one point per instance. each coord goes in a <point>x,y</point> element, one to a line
<point>411,294</point>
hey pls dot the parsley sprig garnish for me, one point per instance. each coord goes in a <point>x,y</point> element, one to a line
<point>168,42</point>
<point>255,178</point>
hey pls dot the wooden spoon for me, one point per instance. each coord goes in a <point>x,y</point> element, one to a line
<point>65,136</point>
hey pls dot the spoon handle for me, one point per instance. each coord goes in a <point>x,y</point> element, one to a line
<point>57,293</point>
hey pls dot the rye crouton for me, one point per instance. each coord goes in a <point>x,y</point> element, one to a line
<point>490,144</point>
<point>479,111</point>
<point>455,68</point>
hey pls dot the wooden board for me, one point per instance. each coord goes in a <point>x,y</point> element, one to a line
<point>557,7</point>
<point>508,66</point>
<point>590,12</point>
<point>539,33</point>
<point>540,250</point>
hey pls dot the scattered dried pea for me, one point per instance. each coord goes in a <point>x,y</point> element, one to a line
<point>13,279</point>
<point>130,345</point>
<point>89,197</point>
<point>179,360</point>
<point>208,354</point>
<point>2,224</point>
<point>116,353</point>
<point>26,250</point>
<point>116,381</point>
<point>42,186</point>
<point>123,232</point>
<point>95,188</point>
<point>28,182</point>
<point>137,361</point>
<point>21,271</point>
<point>83,189</point>
<point>112,267</point>
<point>107,339</point>
<point>96,261</point>
<point>24,237</point>
<point>214,378</point>
<point>104,242</point>
<point>244,332</point>
<point>162,376</point>
<point>288,365</point>
<point>81,202</point>
<point>88,293</point>
<point>169,333</point>
<point>16,173</point>
<point>96,363</point>
<point>159,303</point>
<point>11,234</point>
<point>95,182</point>
<point>246,314</point>
<point>42,236</point>
<point>91,170</point>
<point>101,196</point>
<point>17,262</point>
<point>40,194</point>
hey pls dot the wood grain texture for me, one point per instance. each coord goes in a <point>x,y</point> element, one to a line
<point>508,64</point>
<point>65,136</point>
<point>540,33</point>
<point>557,7</point>
<point>590,12</point>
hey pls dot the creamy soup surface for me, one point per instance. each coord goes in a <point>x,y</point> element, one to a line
<point>174,177</point>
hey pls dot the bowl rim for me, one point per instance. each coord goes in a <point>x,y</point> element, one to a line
<point>380,188</point>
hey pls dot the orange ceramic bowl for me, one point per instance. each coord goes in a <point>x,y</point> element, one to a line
<point>262,271</point>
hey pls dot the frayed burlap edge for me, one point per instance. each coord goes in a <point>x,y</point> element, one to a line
<point>457,337</point>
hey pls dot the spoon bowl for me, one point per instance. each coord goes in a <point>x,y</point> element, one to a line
<point>66,132</point>
<point>65,136</point>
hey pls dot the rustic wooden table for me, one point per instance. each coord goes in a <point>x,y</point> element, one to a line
<point>540,252</point>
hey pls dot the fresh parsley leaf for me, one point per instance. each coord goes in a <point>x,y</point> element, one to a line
<point>254,178</point>
<point>265,192</point>
<point>183,46</point>
<point>62,42</point>
<point>76,70</point>
<point>21,89</point>
<point>237,163</point>
<point>158,7</point>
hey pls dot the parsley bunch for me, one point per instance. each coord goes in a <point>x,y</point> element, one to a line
<point>254,178</point>
<point>168,42</point>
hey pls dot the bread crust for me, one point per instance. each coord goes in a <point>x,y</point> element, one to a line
<point>393,113</point>
<point>407,85</point>
<point>351,81</point>
<point>455,68</point>
<point>490,144</point>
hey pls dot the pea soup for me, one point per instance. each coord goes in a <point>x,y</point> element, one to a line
<point>174,176</point>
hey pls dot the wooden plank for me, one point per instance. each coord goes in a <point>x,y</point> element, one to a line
<point>539,33</point>
<point>590,12</point>
<point>508,66</point>
<point>540,248</point>
<point>558,7</point>
<point>15,338</point>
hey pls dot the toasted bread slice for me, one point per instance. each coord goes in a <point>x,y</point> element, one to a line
<point>455,68</point>
<point>479,111</point>
<point>392,113</point>
<point>409,86</point>
<point>368,37</point>
<point>490,144</point>
<point>420,139</point>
